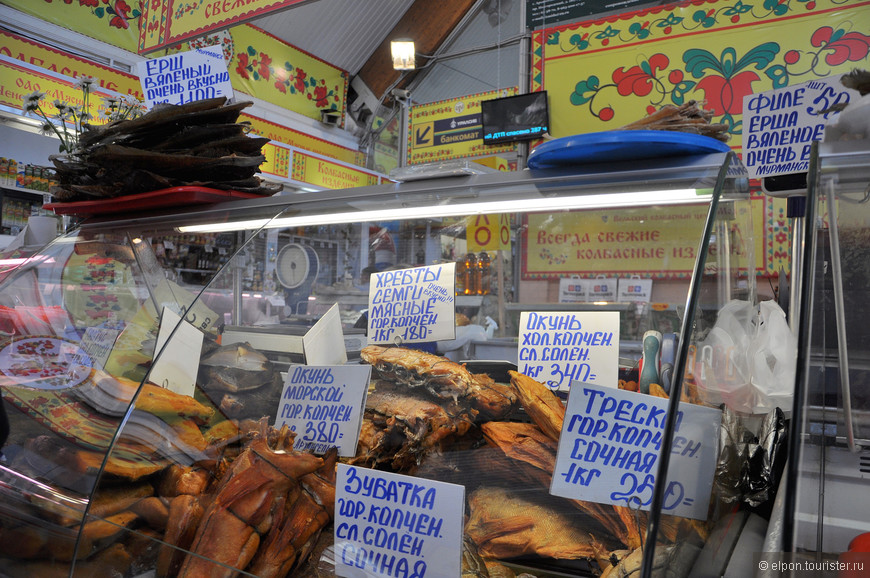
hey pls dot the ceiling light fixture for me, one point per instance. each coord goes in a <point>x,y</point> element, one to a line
<point>403,54</point>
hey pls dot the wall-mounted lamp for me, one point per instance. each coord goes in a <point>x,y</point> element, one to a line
<point>403,54</point>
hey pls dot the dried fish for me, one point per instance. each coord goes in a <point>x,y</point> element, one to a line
<point>506,524</point>
<point>443,378</point>
<point>401,428</point>
<point>170,146</point>
<point>245,504</point>
<point>543,406</point>
<point>235,367</point>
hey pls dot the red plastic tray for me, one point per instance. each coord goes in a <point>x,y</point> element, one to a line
<point>164,198</point>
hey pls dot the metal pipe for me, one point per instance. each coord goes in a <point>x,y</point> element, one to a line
<point>797,214</point>
<point>840,314</point>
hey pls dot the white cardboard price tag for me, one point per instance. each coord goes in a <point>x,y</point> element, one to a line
<point>324,406</point>
<point>557,348</point>
<point>412,305</point>
<point>98,343</point>
<point>324,343</point>
<point>610,444</point>
<point>178,362</point>
<point>780,125</point>
<point>184,77</point>
<point>385,520</point>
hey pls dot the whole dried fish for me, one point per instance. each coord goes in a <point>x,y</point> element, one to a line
<point>400,428</point>
<point>543,406</point>
<point>235,367</point>
<point>506,524</point>
<point>443,378</point>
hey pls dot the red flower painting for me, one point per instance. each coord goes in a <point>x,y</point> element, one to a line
<point>640,80</point>
<point>842,46</point>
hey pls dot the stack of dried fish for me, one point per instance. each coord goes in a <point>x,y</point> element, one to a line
<point>688,117</point>
<point>421,402</point>
<point>195,144</point>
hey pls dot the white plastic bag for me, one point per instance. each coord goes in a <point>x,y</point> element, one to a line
<point>772,355</point>
<point>747,360</point>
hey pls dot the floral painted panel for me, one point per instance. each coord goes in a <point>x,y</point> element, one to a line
<point>270,69</point>
<point>113,21</point>
<point>603,74</point>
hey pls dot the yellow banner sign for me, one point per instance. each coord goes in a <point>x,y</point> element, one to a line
<point>325,173</point>
<point>43,56</point>
<point>277,160</point>
<point>116,22</point>
<point>488,232</point>
<point>17,81</point>
<point>450,129</point>
<point>167,22</point>
<point>657,242</point>
<point>653,242</point>
<point>295,138</point>
<point>276,72</point>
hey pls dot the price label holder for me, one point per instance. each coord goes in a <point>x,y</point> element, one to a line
<point>557,348</point>
<point>610,445</point>
<point>324,406</point>
<point>393,525</point>
<point>319,343</point>
<point>178,354</point>
<point>414,305</point>
<point>98,342</point>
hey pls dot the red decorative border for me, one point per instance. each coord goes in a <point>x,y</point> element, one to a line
<point>66,55</point>
<point>169,40</point>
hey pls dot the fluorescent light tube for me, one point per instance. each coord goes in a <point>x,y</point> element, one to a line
<point>526,205</point>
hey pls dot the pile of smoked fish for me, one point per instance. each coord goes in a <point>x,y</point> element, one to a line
<point>195,144</point>
<point>217,490</point>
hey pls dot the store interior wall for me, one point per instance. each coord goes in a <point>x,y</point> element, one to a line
<point>26,146</point>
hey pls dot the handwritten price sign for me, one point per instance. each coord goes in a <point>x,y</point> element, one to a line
<point>610,446</point>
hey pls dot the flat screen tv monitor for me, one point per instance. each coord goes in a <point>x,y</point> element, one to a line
<point>515,118</point>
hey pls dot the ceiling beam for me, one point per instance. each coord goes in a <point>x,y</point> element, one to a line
<point>428,23</point>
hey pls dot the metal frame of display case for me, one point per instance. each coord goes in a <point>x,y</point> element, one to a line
<point>828,426</point>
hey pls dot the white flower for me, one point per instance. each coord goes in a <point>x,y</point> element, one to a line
<point>31,101</point>
<point>84,82</point>
<point>132,102</point>
<point>110,101</point>
<point>47,128</point>
<point>34,96</point>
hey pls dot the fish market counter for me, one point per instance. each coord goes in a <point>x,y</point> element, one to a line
<point>158,425</point>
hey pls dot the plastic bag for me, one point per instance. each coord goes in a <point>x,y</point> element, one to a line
<point>747,360</point>
<point>772,355</point>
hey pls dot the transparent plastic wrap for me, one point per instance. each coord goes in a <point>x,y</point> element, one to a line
<point>456,168</point>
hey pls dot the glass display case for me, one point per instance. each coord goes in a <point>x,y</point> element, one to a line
<point>828,457</point>
<point>110,466</point>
